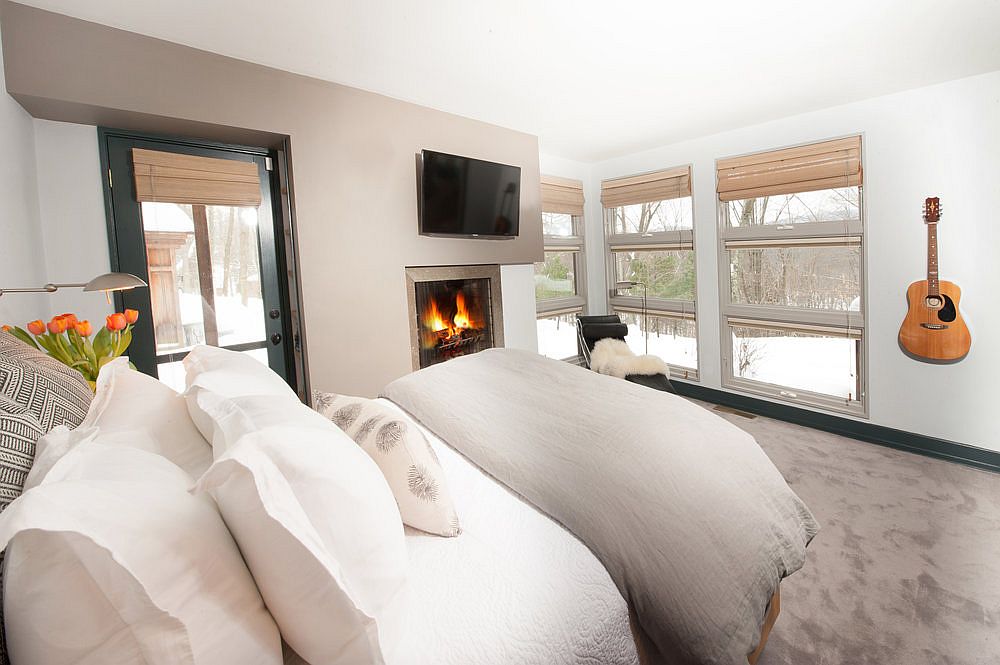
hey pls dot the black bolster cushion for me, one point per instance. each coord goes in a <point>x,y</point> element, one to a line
<point>596,331</point>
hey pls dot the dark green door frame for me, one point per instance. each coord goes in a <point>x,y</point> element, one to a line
<point>127,245</point>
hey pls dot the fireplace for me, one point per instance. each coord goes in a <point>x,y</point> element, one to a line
<point>454,311</point>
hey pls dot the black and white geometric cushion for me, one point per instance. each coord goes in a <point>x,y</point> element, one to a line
<point>50,391</point>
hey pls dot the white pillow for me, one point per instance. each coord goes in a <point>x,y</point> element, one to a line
<point>317,525</point>
<point>105,570</point>
<point>404,455</point>
<point>146,413</point>
<point>227,374</point>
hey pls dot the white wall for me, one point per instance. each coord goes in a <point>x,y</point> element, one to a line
<point>942,140</point>
<point>71,212</point>
<point>22,260</point>
<point>518,298</point>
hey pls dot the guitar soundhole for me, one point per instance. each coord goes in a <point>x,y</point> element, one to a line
<point>947,312</point>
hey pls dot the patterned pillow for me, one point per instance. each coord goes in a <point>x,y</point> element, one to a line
<point>50,391</point>
<point>404,455</point>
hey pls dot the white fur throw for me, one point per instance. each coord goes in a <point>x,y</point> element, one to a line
<point>614,358</point>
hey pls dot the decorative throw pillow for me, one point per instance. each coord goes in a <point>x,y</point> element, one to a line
<point>134,409</point>
<point>403,454</point>
<point>111,560</point>
<point>316,523</point>
<point>52,392</point>
<point>19,434</point>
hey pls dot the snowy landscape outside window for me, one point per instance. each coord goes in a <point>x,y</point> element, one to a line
<point>792,275</point>
<point>649,224</point>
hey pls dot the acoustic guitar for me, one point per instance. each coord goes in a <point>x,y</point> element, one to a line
<point>934,328</point>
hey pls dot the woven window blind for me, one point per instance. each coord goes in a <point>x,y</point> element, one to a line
<point>173,178</point>
<point>562,195</point>
<point>658,186</point>
<point>805,168</point>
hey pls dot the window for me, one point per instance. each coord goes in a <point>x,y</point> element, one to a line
<point>792,274</point>
<point>649,223</point>
<point>560,292</point>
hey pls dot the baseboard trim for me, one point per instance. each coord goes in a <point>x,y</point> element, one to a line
<point>929,446</point>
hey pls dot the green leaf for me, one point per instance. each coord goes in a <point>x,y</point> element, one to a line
<point>23,335</point>
<point>124,341</point>
<point>102,343</point>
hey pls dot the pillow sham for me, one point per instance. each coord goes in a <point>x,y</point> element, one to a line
<point>317,525</point>
<point>227,374</point>
<point>404,455</point>
<point>136,410</point>
<point>105,570</point>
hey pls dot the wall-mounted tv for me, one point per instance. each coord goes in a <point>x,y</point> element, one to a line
<point>460,196</point>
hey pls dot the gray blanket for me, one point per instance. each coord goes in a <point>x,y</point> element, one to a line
<point>687,513</point>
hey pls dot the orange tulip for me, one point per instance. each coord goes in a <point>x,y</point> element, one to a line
<point>116,321</point>
<point>83,328</point>
<point>131,315</point>
<point>6,328</point>
<point>57,325</point>
<point>70,319</point>
<point>36,327</point>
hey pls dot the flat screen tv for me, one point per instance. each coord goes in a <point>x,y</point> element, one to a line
<point>467,197</point>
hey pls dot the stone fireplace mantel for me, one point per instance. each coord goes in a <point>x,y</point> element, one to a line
<point>423,274</point>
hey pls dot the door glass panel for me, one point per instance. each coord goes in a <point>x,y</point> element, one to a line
<point>204,277</point>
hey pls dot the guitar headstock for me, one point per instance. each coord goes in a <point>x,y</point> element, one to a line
<point>932,210</point>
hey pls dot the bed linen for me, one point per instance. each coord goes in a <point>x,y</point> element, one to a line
<point>690,518</point>
<point>514,588</point>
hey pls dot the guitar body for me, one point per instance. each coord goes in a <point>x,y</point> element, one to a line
<point>935,333</point>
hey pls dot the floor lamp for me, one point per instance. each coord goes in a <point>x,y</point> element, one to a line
<point>645,323</point>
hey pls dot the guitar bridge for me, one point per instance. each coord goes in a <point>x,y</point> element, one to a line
<point>934,326</point>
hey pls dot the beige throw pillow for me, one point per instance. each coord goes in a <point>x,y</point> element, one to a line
<point>404,455</point>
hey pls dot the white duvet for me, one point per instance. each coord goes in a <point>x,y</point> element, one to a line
<point>514,588</point>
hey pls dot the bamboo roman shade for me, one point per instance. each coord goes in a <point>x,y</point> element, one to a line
<point>562,195</point>
<point>805,168</point>
<point>658,186</point>
<point>174,178</point>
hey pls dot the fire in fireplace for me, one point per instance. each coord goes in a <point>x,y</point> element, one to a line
<point>453,318</point>
<point>454,311</point>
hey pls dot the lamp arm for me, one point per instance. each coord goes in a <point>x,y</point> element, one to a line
<point>48,288</point>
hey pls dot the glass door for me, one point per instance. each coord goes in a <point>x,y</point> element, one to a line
<point>215,270</point>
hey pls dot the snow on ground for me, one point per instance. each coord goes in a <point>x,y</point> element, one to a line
<point>823,365</point>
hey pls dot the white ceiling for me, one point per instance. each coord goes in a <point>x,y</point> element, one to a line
<point>593,79</point>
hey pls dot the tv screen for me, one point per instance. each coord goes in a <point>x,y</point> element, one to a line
<point>468,197</point>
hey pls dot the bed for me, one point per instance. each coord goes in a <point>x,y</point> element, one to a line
<point>695,526</point>
<point>523,583</point>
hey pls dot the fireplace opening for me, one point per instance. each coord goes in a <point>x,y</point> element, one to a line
<point>454,311</point>
<point>453,317</point>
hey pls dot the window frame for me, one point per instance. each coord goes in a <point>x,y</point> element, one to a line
<point>674,240</point>
<point>576,304</point>
<point>838,233</point>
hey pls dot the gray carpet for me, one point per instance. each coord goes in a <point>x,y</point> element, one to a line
<point>906,566</point>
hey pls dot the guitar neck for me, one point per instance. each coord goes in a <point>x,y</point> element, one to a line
<point>933,284</point>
